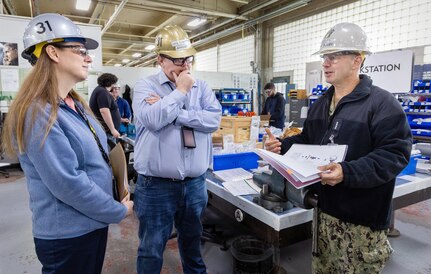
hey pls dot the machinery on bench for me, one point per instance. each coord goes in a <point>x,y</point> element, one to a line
<point>279,195</point>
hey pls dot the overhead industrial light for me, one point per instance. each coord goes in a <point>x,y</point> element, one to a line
<point>136,55</point>
<point>117,65</point>
<point>83,4</point>
<point>150,47</point>
<point>196,22</point>
<point>125,61</point>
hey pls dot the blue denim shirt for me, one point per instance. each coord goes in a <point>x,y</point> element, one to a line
<point>159,150</point>
<point>69,183</point>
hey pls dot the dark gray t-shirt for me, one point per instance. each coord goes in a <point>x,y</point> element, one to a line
<point>100,98</point>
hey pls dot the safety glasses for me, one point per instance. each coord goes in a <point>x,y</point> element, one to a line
<point>77,49</point>
<point>333,58</point>
<point>180,61</point>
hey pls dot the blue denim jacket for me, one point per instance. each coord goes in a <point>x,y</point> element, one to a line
<point>69,182</point>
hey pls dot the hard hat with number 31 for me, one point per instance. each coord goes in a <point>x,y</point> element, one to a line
<point>51,28</point>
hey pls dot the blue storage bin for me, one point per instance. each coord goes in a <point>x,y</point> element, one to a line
<point>246,160</point>
<point>131,130</point>
<point>411,166</point>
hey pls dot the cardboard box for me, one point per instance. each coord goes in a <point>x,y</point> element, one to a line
<point>238,126</point>
<point>264,120</point>
<point>298,93</point>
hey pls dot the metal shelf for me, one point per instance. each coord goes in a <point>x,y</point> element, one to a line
<point>235,102</point>
<point>419,113</point>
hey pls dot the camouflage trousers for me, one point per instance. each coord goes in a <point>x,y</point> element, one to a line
<point>347,248</point>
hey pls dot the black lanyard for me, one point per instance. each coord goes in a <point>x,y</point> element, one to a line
<point>83,116</point>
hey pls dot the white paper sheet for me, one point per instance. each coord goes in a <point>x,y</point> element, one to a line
<point>9,80</point>
<point>233,174</point>
<point>240,187</point>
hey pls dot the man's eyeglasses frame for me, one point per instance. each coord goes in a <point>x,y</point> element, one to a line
<point>179,61</point>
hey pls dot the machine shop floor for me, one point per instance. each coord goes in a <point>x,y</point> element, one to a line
<point>412,248</point>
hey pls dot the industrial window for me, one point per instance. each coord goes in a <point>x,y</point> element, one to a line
<point>389,24</point>
<point>234,56</point>
<point>206,60</point>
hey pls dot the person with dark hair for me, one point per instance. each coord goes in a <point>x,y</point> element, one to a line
<point>103,104</point>
<point>62,150</point>
<point>10,54</point>
<point>354,195</point>
<point>128,97</point>
<point>274,106</point>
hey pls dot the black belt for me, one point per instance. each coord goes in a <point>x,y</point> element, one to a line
<point>169,179</point>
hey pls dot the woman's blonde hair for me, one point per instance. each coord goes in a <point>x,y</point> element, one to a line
<point>40,88</point>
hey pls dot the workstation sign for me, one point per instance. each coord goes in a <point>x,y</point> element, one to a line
<point>390,70</point>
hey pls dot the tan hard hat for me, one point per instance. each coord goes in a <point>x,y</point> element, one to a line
<point>344,37</point>
<point>174,42</point>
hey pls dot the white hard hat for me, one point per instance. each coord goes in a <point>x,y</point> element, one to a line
<point>50,28</point>
<point>344,37</point>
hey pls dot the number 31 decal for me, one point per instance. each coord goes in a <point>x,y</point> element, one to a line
<point>42,27</point>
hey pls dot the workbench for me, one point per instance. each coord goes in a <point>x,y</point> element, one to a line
<point>294,225</point>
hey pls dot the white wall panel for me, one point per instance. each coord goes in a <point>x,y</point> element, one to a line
<point>389,24</point>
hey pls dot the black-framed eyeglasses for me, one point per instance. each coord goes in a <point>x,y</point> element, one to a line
<point>334,57</point>
<point>78,49</point>
<point>180,61</point>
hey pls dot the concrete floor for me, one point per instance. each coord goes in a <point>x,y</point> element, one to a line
<point>412,248</point>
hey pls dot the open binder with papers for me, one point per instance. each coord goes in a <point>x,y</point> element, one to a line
<point>299,164</point>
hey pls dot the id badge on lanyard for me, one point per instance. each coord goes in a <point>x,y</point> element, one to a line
<point>188,136</point>
<point>335,129</point>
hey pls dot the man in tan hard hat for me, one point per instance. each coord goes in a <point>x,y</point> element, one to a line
<point>354,197</point>
<point>175,115</point>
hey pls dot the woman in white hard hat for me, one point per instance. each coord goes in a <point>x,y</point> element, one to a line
<point>62,150</point>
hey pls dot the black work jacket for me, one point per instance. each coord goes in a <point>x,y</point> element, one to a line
<point>373,125</point>
<point>275,106</point>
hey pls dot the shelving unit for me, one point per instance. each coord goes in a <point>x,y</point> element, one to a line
<point>234,100</point>
<point>419,112</point>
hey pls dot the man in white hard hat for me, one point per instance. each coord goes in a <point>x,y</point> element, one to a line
<point>175,116</point>
<point>354,195</point>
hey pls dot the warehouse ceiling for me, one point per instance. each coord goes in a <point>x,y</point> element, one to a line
<point>128,26</point>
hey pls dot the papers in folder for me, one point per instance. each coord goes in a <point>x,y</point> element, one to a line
<point>299,164</point>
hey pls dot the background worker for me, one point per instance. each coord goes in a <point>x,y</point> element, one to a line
<point>103,105</point>
<point>355,195</point>
<point>62,151</point>
<point>274,106</point>
<point>123,108</point>
<point>127,95</point>
<point>175,115</point>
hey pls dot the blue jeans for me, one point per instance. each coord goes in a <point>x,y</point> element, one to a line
<point>83,254</point>
<point>161,203</point>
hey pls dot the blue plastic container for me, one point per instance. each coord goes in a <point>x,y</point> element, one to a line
<point>246,160</point>
<point>411,166</point>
